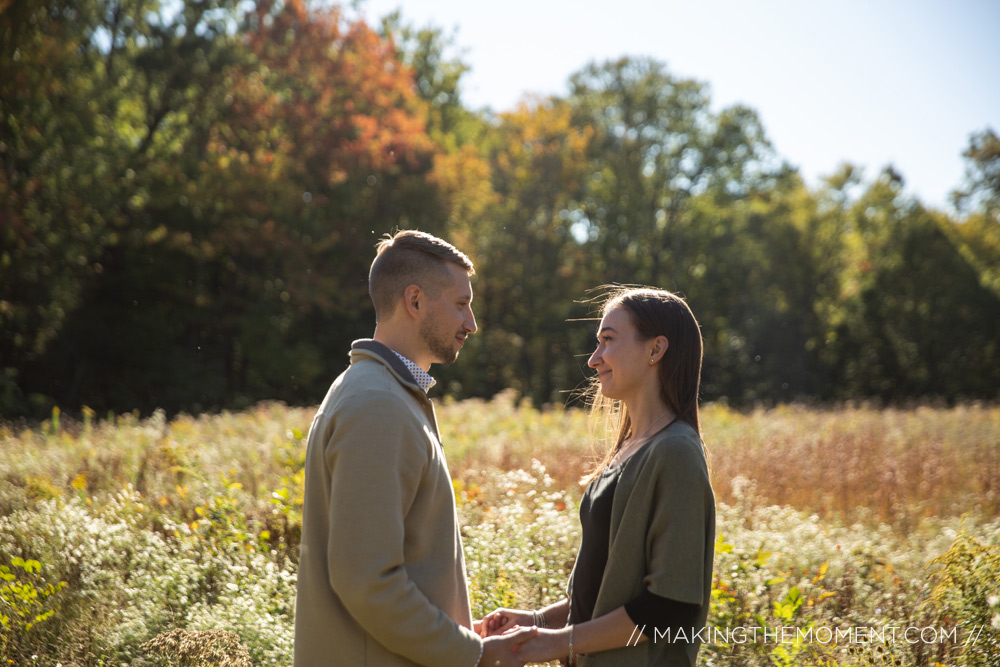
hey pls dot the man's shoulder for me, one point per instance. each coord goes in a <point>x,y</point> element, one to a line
<point>367,385</point>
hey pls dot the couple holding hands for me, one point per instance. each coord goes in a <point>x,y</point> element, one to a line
<point>381,578</point>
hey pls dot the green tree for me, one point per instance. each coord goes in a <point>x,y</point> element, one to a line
<point>759,272</point>
<point>981,192</point>
<point>656,145</point>
<point>532,266</point>
<point>694,201</point>
<point>921,323</point>
<point>977,236</point>
<point>93,95</point>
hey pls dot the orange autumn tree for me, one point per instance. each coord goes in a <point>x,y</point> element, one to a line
<point>321,150</point>
<point>251,281</point>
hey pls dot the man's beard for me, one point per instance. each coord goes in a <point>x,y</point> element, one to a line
<point>444,352</point>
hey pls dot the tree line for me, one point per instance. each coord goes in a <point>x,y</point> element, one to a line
<point>190,195</point>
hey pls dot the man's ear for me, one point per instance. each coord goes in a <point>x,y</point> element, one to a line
<point>413,298</point>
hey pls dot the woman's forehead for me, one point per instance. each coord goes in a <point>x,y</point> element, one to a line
<point>616,318</point>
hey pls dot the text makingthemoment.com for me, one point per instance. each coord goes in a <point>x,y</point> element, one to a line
<point>889,634</point>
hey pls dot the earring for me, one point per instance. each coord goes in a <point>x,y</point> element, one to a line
<point>652,361</point>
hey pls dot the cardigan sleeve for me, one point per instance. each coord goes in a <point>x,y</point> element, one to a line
<point>680,509</point>
<point>376,457</point>
<point>657,614</point>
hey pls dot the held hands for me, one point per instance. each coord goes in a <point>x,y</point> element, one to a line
<point>501,620</point>
<point>531,644</point>
<point>502,650</point>
<point>545,646</point>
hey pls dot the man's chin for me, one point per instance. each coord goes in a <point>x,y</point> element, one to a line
<point>446,359</point>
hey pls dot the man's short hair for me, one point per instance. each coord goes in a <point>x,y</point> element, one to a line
<point>411,257</point>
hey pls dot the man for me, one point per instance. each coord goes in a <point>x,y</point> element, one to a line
<point>381,569</point>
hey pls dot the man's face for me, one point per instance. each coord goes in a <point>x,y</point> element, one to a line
<point>449,319</point>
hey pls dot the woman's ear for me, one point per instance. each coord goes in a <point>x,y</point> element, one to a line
<point>659,348</point>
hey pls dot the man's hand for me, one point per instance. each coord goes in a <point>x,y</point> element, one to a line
<point>500,621</point>
<point>498,651</point>
<point>547,645</point>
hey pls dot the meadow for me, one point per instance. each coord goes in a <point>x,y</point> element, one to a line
<point>846,536</point>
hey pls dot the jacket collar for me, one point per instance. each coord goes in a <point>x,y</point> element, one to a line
<point>373,348</point>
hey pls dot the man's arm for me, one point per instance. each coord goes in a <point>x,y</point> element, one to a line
<point>376,457</point>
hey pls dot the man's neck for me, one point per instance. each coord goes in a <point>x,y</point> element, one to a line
<point>404,344</point>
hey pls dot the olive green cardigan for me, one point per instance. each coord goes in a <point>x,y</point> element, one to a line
<point>662,539</point>
<point>382,578</point>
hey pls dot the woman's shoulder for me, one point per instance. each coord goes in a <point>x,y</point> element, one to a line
<point>673,460</point>
<point>678,434</point>
<point>679,442</point>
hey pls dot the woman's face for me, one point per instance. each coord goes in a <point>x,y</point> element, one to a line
<point>621,360</point>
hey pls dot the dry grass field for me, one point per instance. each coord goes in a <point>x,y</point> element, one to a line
<point>123,541</point>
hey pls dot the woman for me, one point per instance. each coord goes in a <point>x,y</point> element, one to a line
<point>640,589</point>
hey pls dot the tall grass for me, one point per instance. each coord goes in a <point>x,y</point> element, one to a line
<point>886,465</point>
<point>849,463</point>
<point>122,538</point>
<point>891,465</point>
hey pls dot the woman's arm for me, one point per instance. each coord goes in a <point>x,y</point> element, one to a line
<point>555,615</point>
<point>612,630</point>
<point>499,621</point>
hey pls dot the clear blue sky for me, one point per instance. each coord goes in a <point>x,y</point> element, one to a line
<point>873,83</point>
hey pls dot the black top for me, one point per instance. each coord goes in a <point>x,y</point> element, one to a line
<point>647,609</point>
<point>595,520</point>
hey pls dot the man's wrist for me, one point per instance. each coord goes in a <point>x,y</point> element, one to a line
<point>482,647</point>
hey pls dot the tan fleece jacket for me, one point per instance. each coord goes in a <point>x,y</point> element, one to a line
<point>381,570</point>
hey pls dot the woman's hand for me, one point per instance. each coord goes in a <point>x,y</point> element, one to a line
<point>499,621</point>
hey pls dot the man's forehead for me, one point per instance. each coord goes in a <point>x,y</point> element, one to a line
<point>460,279</point>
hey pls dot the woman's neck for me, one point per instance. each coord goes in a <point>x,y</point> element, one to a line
<point>647,416</point>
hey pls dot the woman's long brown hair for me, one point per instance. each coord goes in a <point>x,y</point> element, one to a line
<point>654,312</point>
